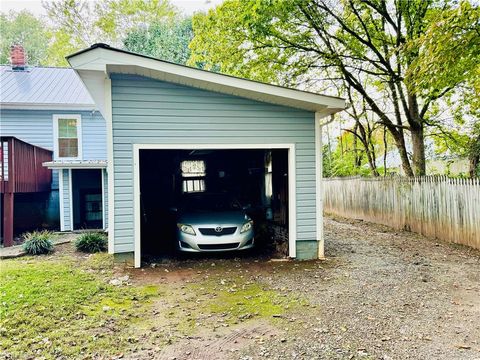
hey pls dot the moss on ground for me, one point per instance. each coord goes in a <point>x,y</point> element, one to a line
<point>226,301</point>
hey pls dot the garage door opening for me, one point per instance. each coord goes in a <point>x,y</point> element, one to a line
<point>193,200</point>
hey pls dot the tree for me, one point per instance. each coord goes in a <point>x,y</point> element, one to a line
<point>368,45</point>
<point>451,47</point>
<point>344,158</point>
<point>118,17</point>
<point>61,45</point>
<point>81,23</point>
<point>25,29</point>
<point>451,52</point>
<point>163,40</point>
<point>363,131</point>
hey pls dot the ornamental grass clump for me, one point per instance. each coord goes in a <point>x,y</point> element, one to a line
<point>38,242</point>
<point>91,242</point>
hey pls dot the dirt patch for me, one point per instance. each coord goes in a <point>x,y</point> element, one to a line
<point>213,345</point>
<point>187,271</point>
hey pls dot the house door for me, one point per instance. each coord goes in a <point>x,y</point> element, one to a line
<point>91,213</point>
<point>87,198</point>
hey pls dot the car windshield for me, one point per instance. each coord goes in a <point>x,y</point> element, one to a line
<point>209,202</point>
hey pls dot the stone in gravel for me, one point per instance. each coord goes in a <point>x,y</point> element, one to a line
<point>362,353</point>
<point>115,282</point>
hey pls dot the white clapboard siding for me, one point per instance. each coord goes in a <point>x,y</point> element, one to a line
<point>437,206</point>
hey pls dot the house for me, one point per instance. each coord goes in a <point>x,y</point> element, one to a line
<point>172,129</point>
<point>50,108</point>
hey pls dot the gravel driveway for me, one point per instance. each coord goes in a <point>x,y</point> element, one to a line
<point>381,294</point>
<point>386,294</point>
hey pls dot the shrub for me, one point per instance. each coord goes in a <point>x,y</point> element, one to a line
<point>91,242</point>
<point>38,242</point>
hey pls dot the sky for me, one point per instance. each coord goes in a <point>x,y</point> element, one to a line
<point>35,6</point>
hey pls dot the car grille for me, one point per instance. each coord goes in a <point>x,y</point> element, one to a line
<point>213,232</point>
<point>218,246</point>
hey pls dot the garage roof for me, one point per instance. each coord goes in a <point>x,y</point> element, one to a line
<point>104,59</point>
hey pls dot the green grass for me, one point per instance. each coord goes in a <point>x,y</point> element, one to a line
<point>55,307</point>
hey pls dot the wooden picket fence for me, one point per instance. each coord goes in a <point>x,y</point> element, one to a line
<point>437,206</point>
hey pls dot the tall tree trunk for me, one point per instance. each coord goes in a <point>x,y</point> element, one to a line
<point>418,158</point>
<point>474,162</point>
<point>417,134</point>
<point>371,163</point>
<point>358,157</point>
<point>402,150</point>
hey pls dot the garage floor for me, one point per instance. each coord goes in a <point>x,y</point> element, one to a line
<point>382,294</point>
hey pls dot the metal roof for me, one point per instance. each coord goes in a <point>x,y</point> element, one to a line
<point>43,86</point>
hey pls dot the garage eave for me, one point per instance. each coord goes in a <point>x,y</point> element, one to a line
<point>105,59</point>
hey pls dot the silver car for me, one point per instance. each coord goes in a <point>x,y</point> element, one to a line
<point>213,222</point>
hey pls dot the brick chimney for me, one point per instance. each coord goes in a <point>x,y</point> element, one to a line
<point>17,57</point>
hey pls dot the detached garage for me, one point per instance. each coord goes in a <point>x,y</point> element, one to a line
<point>173,130</point>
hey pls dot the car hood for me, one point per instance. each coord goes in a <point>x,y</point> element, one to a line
<point>213,218</point>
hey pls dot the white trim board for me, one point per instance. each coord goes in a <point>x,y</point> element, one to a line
<point>103,59</point>
<point>75,165</point>
<point>103,198</point>
<point>70,183</point>
<point>319,188</point>
<point>292,194</point>
<point>60,195</point>
<point>110,172</point>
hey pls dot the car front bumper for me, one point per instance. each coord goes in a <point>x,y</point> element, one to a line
<point>212,243</point>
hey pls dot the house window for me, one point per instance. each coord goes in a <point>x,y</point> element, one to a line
<point>193,175</point>
<point>68,136</point>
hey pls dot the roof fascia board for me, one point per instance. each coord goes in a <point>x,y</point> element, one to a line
<point>101,59</point>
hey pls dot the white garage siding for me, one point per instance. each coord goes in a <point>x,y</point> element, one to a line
<point>148,111</point>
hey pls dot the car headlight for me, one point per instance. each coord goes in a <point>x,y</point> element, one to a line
<point>187,229</point>
<point>247,226</point>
